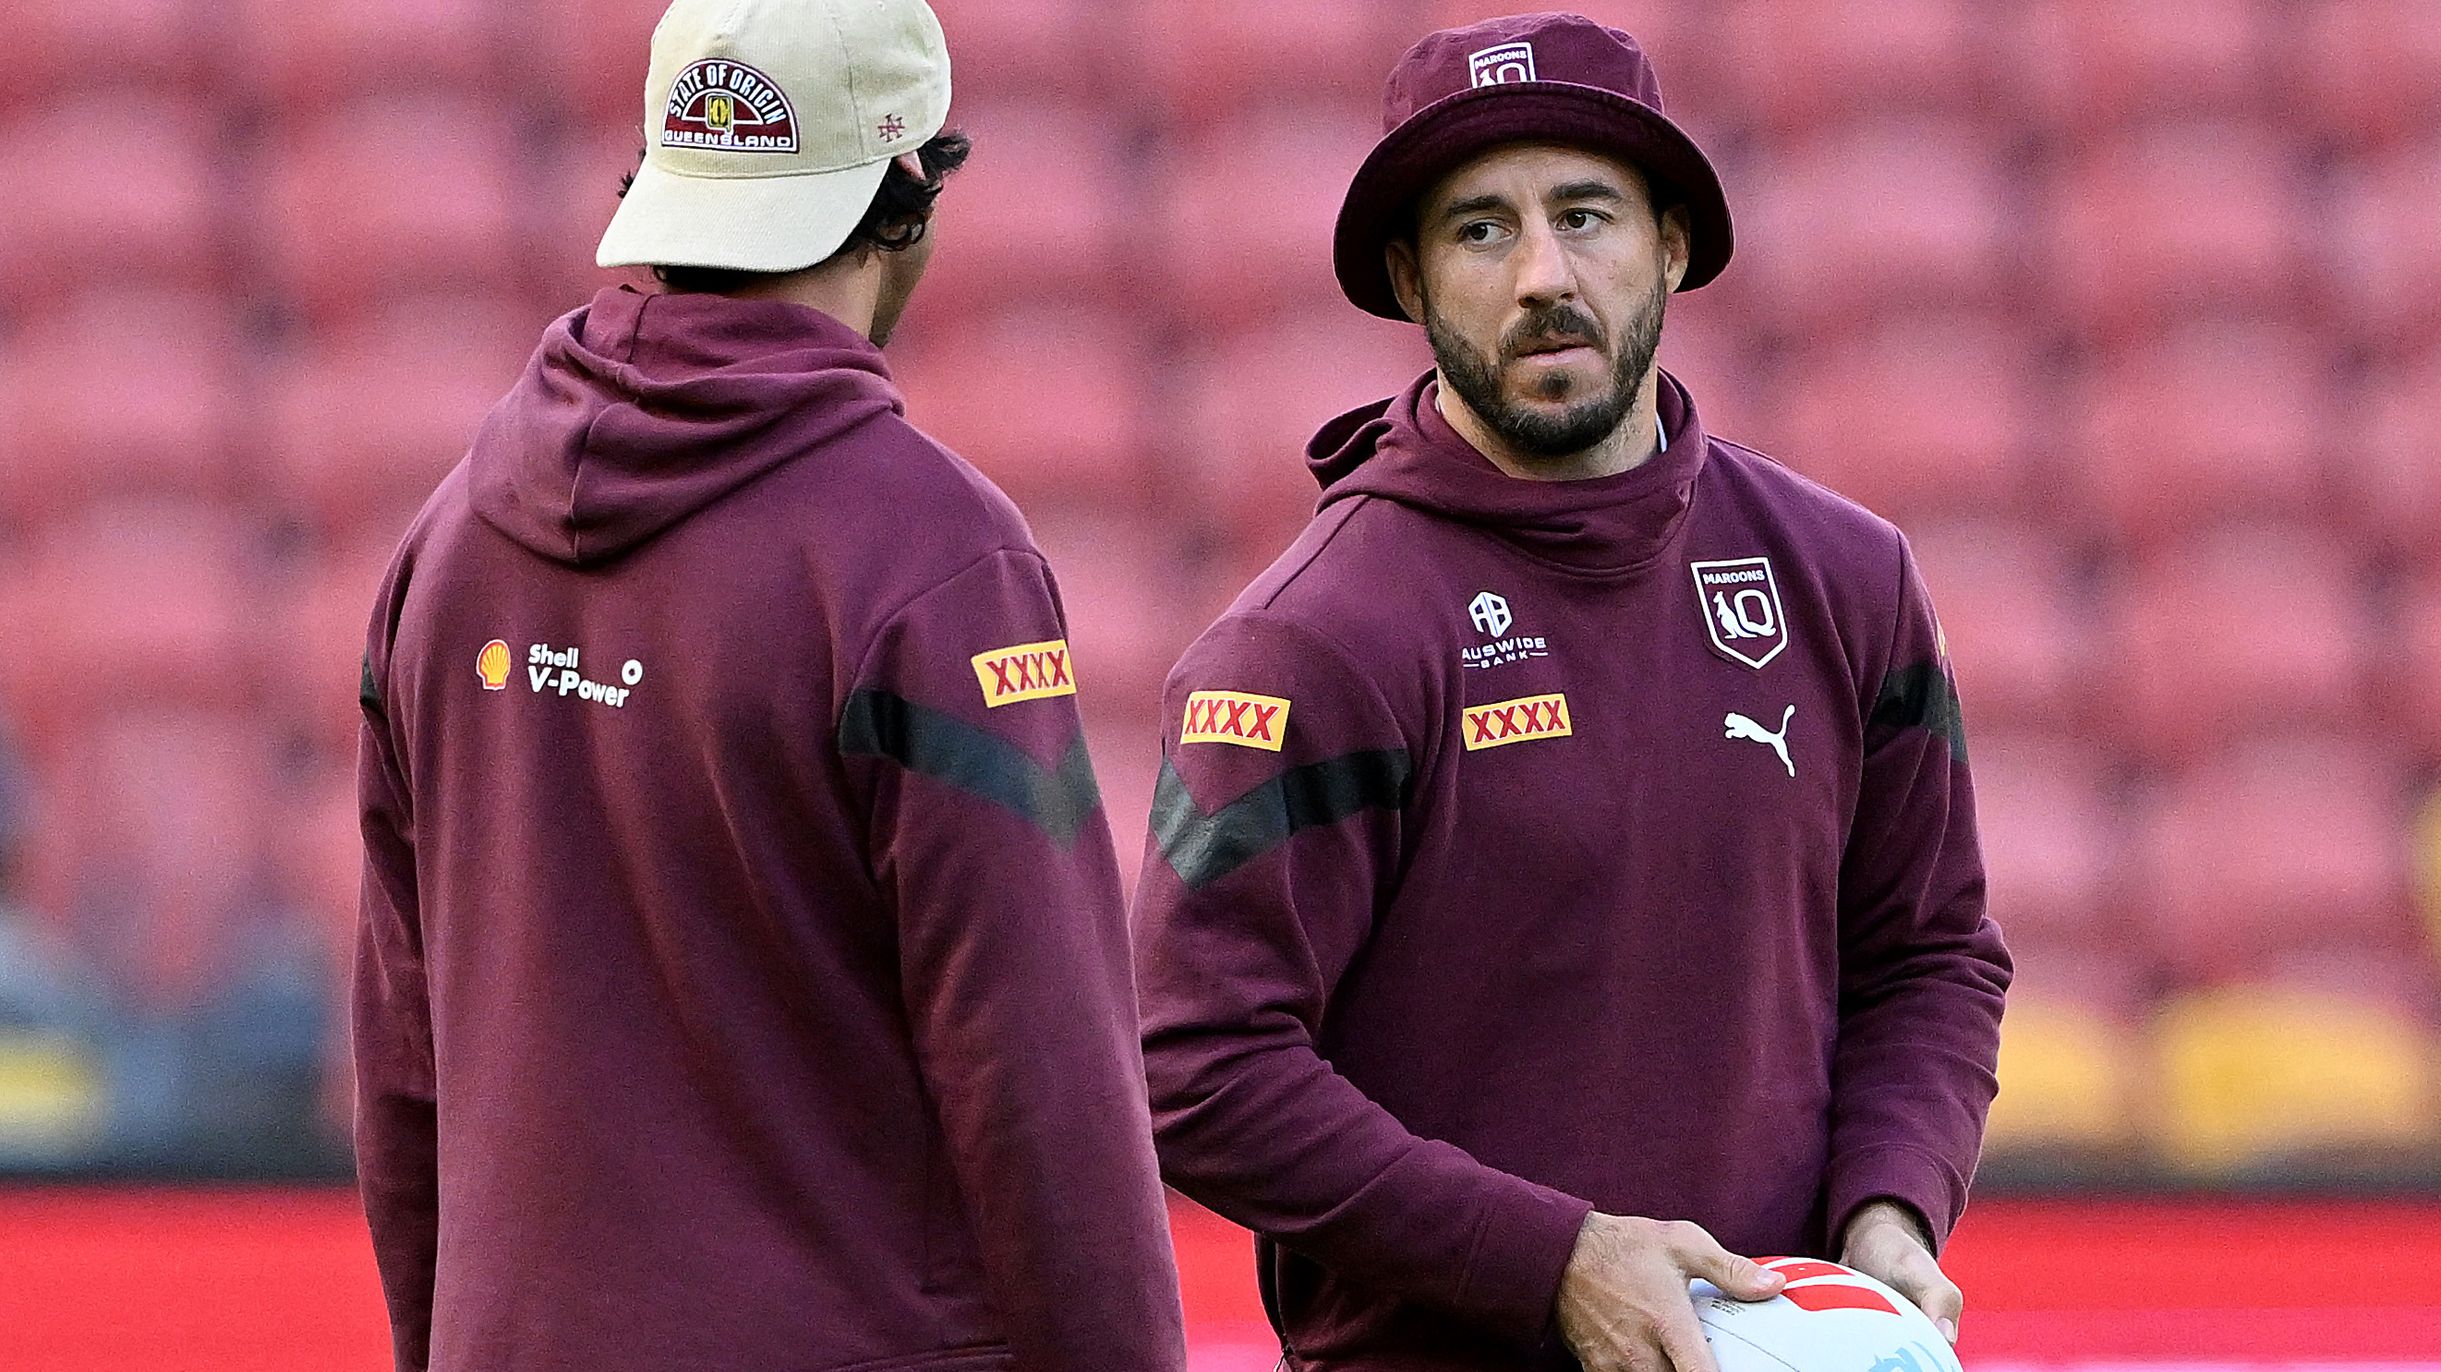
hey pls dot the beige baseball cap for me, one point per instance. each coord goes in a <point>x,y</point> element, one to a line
<point>769,124</point>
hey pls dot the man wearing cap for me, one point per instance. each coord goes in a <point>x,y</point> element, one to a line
<point>1564,873</point>
<point>743,980</point>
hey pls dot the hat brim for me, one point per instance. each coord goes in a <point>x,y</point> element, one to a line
<point>1435,140</point>
<point>743,223</point>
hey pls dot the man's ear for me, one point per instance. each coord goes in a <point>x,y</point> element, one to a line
<point>1676,241</point>
<point>1406,277</point>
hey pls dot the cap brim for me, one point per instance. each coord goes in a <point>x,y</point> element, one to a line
<point>1438,138</point>
<point>744,223</point>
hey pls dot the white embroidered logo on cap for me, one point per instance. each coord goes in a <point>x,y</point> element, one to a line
<point>1510,62</point>
<point>728,107</point>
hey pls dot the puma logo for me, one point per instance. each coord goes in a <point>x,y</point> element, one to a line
<point>1739,726</point>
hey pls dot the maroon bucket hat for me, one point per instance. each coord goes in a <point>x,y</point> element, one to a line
<point>1530,77</point>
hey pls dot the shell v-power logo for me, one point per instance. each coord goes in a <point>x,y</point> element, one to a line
<point>555,671</point>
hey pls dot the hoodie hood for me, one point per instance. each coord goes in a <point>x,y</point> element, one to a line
<point>639,410</point>
<point>1402,449</point>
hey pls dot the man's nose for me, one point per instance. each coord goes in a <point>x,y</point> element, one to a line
<point>1545,275</point>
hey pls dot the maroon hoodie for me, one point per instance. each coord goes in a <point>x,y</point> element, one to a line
<point>1526,847</point>
<point>743,980</point>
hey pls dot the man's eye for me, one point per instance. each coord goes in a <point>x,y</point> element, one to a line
<point>1479,231</point>
<point>1579,219</point>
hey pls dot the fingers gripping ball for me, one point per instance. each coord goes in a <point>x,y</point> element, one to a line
<point>1828,1318</point>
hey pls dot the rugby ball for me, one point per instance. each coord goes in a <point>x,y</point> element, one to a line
<point>1828,1318</point>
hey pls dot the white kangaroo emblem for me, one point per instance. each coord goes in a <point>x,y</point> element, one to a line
<point>1740,726</point>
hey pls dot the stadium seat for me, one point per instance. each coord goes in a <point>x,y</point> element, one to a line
<point>120,394</point>
<point>55,51</point>
<point>1257,398</point>
<point>1204,62</point>
<point>324,609</point>
<point>87,202</point>
<point>154,847</point>
<point>2392,434</point>
<point>2263,1076</point>
<point>129,604</point>
<point>390,197</point>
<point>1045,402</point>
<point>1919,416</point>
<point>320,854</point>
<point>1800,65</point>
<point>2286,854</point>
<point>2372,68</point>
<point>1246,210</point>
<point>1127,606</point>
<point>307,58</point>
<point>2177,218</point>
<point>2241,630</point>
<point>2011,601</point>
<point>1026,48</point>
<point>2202,423</point>
<point>1039,213</point>
<point>1875,218</point>
<point>2053,827</point>
<point>597,52</point>
<point>364,421</point>
<point>2078,65</point>
<point>1126,747</point>
<point>2386,253</point>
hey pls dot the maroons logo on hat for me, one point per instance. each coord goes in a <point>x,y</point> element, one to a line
<point>728,106</point>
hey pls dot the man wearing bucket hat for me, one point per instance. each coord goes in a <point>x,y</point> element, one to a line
<point>1564,873</point>
<point>743,980</point>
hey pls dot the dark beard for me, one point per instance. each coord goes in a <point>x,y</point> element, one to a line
<point>1541,433</point>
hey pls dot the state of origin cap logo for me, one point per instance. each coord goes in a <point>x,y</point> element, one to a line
<point>727,106</point>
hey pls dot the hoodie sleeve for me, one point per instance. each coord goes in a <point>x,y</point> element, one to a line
<point>1276,839</point>
<point>987,836</point>
<point>1922,970</point>
<point>391,1039</point>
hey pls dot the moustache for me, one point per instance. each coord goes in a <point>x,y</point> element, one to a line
<point>1549,330</point>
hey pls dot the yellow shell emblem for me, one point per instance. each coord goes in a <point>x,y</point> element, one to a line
<point>492,664</point>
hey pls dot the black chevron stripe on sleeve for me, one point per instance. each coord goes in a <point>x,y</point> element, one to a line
<point>1202,848</point>
<point>1922,696</point>
<point>1057,800</point>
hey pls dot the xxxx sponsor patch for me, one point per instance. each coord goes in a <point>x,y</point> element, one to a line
<point>1516,721</point>
<point>1028,671</point>
<point>1249,721</point>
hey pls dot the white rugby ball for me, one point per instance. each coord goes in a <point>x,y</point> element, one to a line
<point>1828,1318</point>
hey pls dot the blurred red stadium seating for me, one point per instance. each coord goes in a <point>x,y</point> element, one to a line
<point>2238,632</point>
<point>120,394</point>
<point>1036,213</point>
<point>316,57</point>
<point>389,197</point>
<point>1801,64</point>
<point>2173,218</point>
<point>346,466</point>
<point>2372,68</point>
<point>2053,829</point>
<point>86,201</point>
<point>1043,401</point>
<point>1234,252</point>
<point>1203,61</point>
<point>1921,416</point>
<point>1253,402</point>
<point>2019,636</point>
<point>2392,461</point>
<point>1870,216</point>
<point>2080,65</point>
<point>2286,855</point>
<point>2205,421</point>
<point>54,51</point>
<point>2386,253</point>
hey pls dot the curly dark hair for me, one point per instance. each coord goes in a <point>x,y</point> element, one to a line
<point>894,222</point>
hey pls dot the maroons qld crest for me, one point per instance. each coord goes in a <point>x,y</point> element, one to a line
<point>728,107</point>
<point>1740,602</point>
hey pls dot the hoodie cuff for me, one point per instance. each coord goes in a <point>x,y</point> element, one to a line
<point>1522,1248</point>
<point>1913,1177</point>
